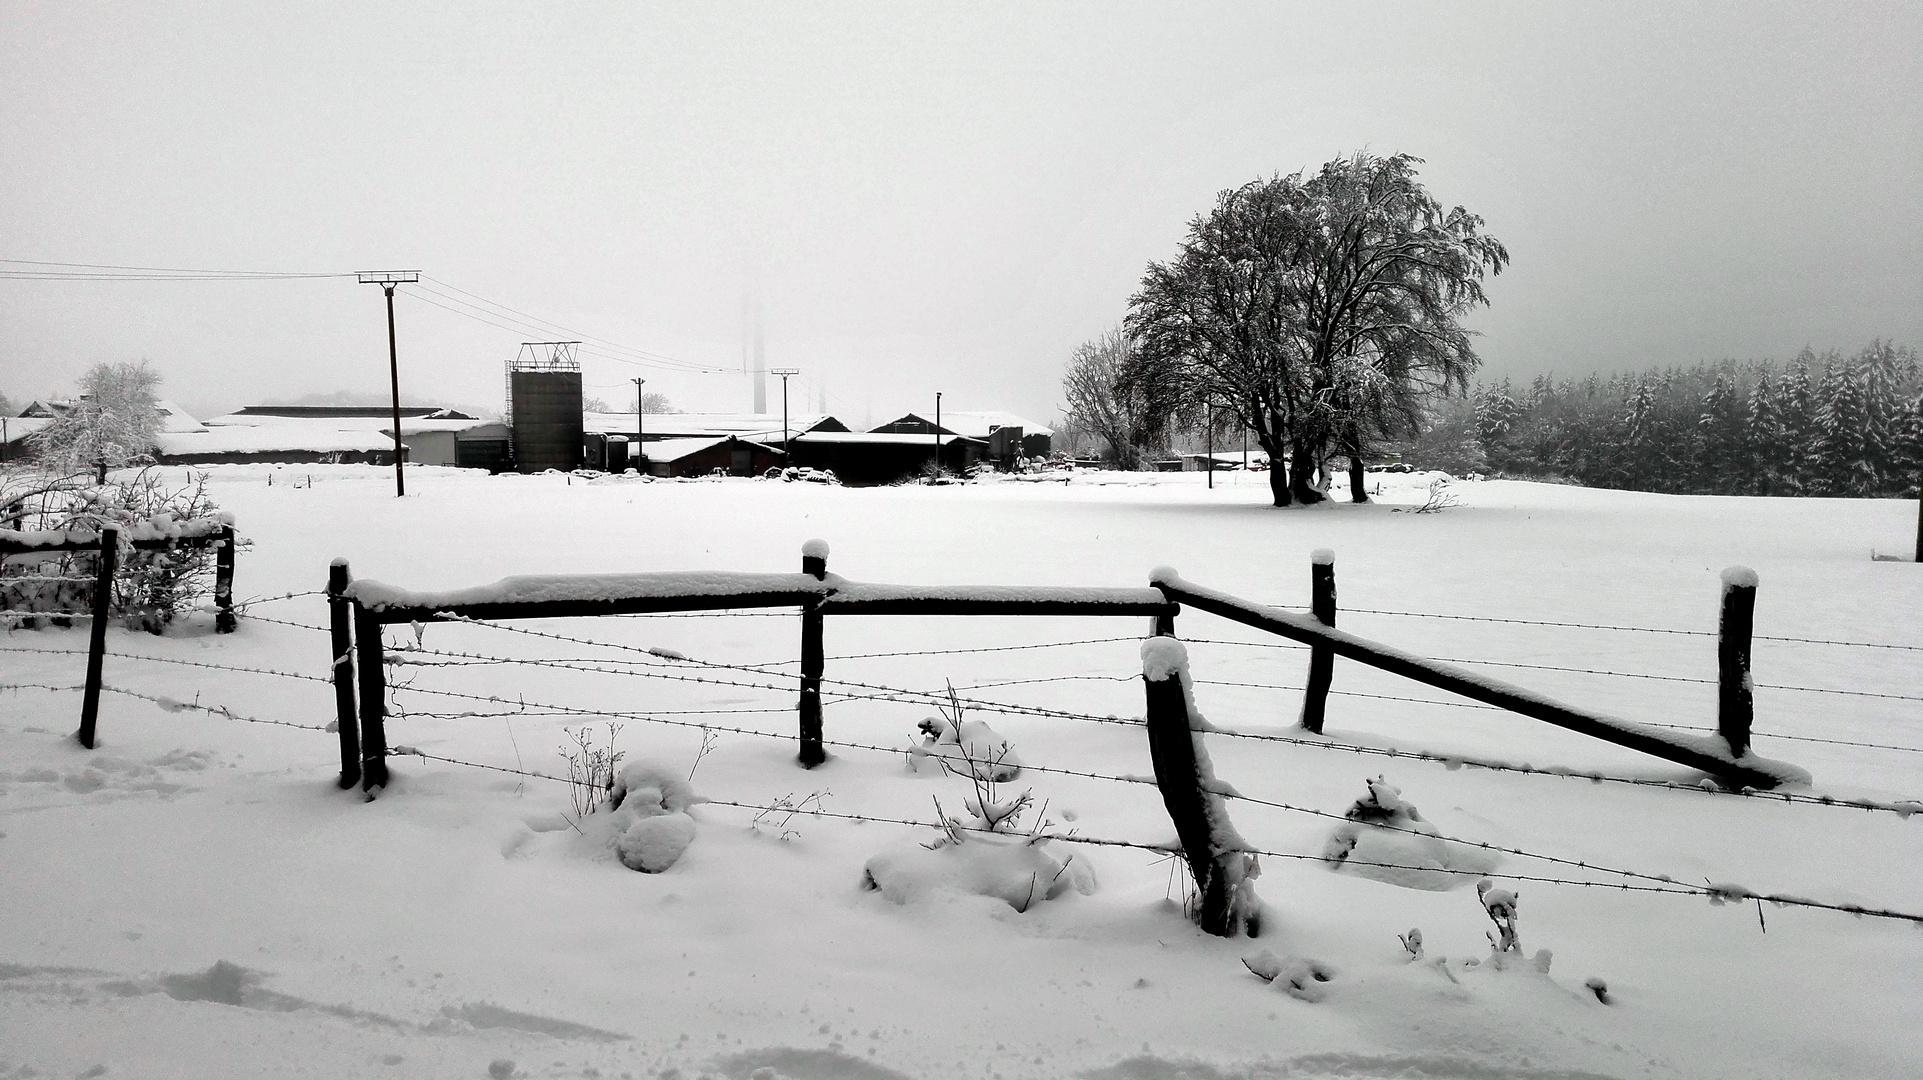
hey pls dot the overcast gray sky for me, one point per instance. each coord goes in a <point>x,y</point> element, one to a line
<point>921,197</point>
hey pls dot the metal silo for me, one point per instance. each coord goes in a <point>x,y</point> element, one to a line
<point>544,406</point>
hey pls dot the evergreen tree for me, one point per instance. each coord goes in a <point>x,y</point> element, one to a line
<point>1763,436</point>
<point>1719,439</point>
<point>1796,405</point>
<point>1843,447</point>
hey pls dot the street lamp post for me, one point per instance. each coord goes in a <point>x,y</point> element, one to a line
<point>938,432</point>
<point>639,430</point>
<point>387,279</point>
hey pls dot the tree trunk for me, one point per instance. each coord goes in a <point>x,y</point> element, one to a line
<point>1278,469</point>
<point>1358,488</point>
<point>1302,474</point>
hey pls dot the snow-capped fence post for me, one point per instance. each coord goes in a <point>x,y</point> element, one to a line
<point>1209,842</point>
<point>1315,696</point>
<point>369,647</point>
<point>103,596</point>
<point>340,612</point>
<point>16,514</point>
<point>1735,703</point>
<point>224,621</point>
<point>814,563</point>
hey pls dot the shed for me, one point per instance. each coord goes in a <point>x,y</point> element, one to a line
<point>706,456</point>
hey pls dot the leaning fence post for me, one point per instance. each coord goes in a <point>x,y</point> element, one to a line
<point>1315,697</point>
<point>1226,898</point>
<point>103,594</point>
<point>369,648</point>
<point>224,582</point>
<point>346,721</point>
<point>814,562</point>
<point>1735,703</point>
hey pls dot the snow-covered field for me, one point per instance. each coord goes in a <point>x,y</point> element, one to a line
<point>196,898</point>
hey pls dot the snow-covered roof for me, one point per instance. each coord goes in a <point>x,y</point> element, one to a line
<point>19,427</point>
<point>665,450</point>
<point>175,418</point>
<point>376,424</point>
<point>260,440</point>
<point>978,425</point>
<point>428,423</point>
<point>879,438</point>
<point>690,425</point>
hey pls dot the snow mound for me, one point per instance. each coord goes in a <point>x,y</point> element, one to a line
<point>651,825</point>
<point>1297,976</point>
<point>970,748</point>
<point>1386,839</point>
<point>1019,870</point>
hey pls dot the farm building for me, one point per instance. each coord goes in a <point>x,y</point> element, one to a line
<point>1005,434</point>
<point>707,456</point>
<point>883,457</point>
<point>309,434</point>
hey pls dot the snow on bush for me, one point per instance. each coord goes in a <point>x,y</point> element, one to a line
<point>649,820</point>
<point>965,747</point>
<point>1297,976</point>
<point>1383,828</point>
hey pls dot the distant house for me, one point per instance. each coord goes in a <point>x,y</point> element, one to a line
<point>1005,434</point>
<point>707,456</point>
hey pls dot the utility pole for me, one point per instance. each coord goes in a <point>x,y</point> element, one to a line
<point>1208,421</point>
<point>938,431</point>
<point>784,372</point>
<point>387,279</point>
<point>638,429</point>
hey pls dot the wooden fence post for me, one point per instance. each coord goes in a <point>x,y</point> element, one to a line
<point>1208,840</point>
<point>224,582</point>
<point>1735,704</point>
<point>369,647</point>
<point>346,720</point>
<point>1164,624</point>
<point>814,563</point>
<point>103,595</point>
<point>1315,697</point>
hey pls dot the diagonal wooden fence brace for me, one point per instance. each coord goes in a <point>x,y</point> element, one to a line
<point>1706,754</point>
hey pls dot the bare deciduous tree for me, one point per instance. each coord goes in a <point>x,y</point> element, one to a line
<point>1105,403</point>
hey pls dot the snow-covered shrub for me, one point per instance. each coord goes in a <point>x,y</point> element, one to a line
<point>1386,839</point>
<point>1297,976</point>
<point>966,747</point>
<point>1018,870</point>
<point>151,587</point>
<point>1500,906</point>
<point>651,826</point>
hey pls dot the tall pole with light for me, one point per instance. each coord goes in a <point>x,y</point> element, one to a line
<point>784,372</point>
<point>387,279</point>
<point>938,431</point>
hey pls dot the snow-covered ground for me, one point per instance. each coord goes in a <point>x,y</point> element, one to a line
<point>196,898</point>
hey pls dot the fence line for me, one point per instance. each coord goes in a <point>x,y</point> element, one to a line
<point>1671,678</point>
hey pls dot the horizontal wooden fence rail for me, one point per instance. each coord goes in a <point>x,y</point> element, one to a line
<point>361,608</point>
<point>1706,754</point>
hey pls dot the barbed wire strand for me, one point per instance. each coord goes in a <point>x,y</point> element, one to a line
<point>1633,629</point>
<point>171,660</point>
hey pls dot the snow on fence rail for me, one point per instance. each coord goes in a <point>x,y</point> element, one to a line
<point>361,608</point>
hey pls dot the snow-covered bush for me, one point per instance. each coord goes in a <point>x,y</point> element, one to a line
<point>966,747</point>
<point>151,587</point>
<point>1297,976</point>
<point>650,825</point>
<point>1386,839</point>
